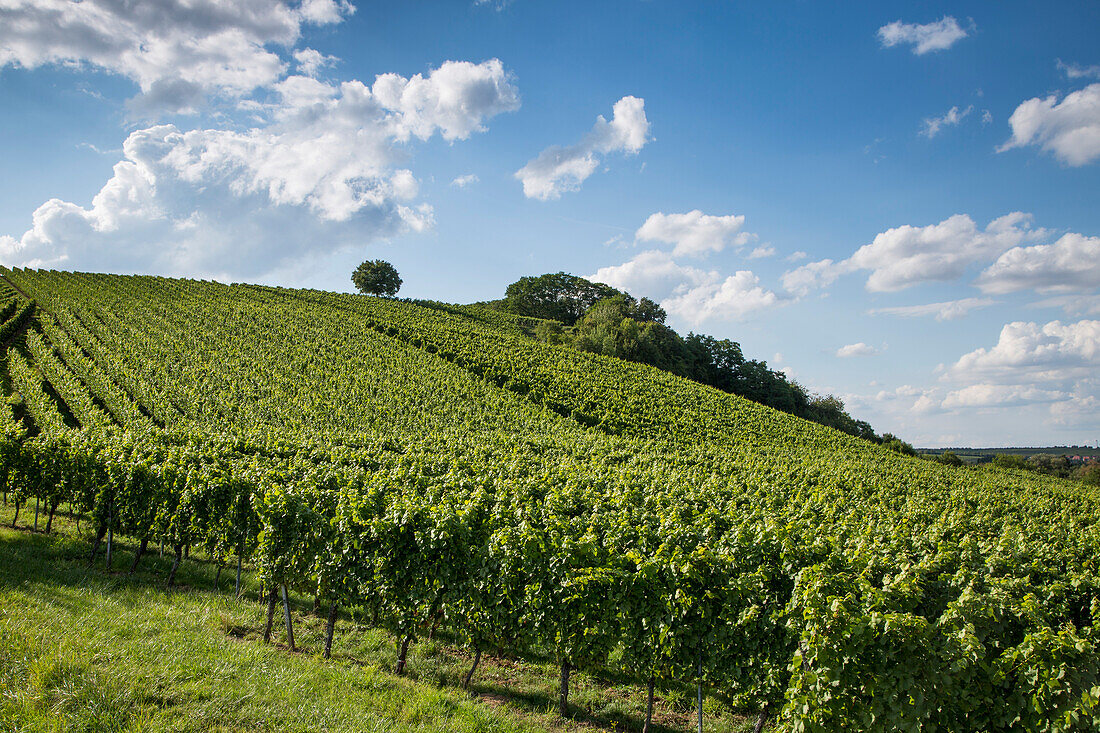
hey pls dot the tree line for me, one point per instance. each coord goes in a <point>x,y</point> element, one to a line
<point>598,318</point>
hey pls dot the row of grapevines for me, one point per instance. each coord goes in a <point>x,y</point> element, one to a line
<point>437,471</point>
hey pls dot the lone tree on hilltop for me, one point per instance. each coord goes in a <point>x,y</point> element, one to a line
<point>377,277</point>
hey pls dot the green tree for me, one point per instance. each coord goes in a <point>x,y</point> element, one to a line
<point>1089,473</point>
<point>376,277</point>
<point>556,296</point>
<point>1008,460</point>
<point>949,458</point>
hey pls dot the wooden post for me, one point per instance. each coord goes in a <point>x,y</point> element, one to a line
<point>98,539</point>
<point>175,567</point>
<point>648,707</point>
<point>237,589</point>
<point>110,540</point>
<point>699,689</point>
<point>330,629</point>
<point>286,617</point>
<point>53,510</point>
<point>763,718</point>
<point>470,674</point>
<point>563,689</point>
<point>138,554</point>
<point>270,615</point>
<point>402,652</point>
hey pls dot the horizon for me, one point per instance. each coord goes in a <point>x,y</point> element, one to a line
<point>891,203</point>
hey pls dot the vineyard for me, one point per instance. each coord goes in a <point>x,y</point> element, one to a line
<point>434,467</point>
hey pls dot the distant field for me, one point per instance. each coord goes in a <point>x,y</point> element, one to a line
<point>981,455</point>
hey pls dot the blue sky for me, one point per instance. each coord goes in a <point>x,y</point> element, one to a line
<point>894,203</point>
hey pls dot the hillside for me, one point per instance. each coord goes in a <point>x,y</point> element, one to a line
<point>437,467</point>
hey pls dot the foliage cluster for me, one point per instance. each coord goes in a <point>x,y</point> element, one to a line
<point>434,469</point>
<point>1051,465</point>
<point>598,318</point>
<point>376,277</point>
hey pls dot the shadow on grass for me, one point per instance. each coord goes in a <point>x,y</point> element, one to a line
<point>60,561</point>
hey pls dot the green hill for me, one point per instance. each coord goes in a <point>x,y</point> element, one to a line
<point>434,466</point>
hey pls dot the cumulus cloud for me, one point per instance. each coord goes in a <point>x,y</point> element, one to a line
<point>821,274</point>
<point>559,169</point>
<point>904,256</point>
<point>857,349</point>
<point>1071,263</point>
<point>950,118</point>
<point>688,292</point>
<point>1027,353</point>
<point>466,180</point>
<point>1069,130</point>
<point>325,170</point>
<point>653,274</point>
<point>944,311</point>
<point>310,61</point>
<point>938,36</point>
<point>761,252</point>
<point>168,48</point>
<point>694,233</point>
<point>732,299</point>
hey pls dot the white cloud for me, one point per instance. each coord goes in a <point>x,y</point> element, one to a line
<point>694,233</point>
<point>912,399</point>
<point>653,274</point>
<point>987,117</point>
<point>1081,412</point>
<point>999,395</point>
<point>311,61</point>
<point>945,311</point>
<point>907,255</point>
<point>801,280</point>
<point>325,12</point>
<point>466,180</point>
<point>1026,353</point>
<point>904,256</point>
<point>323,172</point>
<point>1070,129</point>
<point>858,349</point>
<point>1074,305</point>
<point>950,118</point>
<point>688,292</point>
<point>559,169</point>
<point>761,252</point>
<point>938,36</point>
<point>1074,71</point>
<point>1071,263</point>
<point>176,51</point>
<point>796,256</point>
<point>732,299</point>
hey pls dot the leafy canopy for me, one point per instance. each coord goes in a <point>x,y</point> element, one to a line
<point>376,277</point>
<point>563,297</point>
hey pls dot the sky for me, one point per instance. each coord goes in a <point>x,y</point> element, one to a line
<point>894,203</point>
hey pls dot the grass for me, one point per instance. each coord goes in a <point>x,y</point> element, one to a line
<point>83,650</point>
